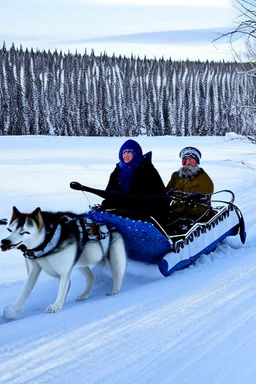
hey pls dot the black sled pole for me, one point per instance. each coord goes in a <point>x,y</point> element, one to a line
<point>118,196</point>
<point>122,197</point>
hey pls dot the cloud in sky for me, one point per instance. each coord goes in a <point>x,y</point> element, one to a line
<point>165,37</point>
<point>80,20</point>
<point>149,3</point>
<point>54,23</point>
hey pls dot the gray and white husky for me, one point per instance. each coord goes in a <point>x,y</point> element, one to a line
<point>55,242</point>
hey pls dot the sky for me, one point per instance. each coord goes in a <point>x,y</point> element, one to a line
<point>176,29</point>
<point>197,326</point>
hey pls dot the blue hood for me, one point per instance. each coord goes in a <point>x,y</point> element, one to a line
<point>132,146</point>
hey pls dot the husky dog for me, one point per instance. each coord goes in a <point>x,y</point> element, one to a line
<point>55,242</point>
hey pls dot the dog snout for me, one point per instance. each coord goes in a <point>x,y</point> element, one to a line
<point>5,244</point>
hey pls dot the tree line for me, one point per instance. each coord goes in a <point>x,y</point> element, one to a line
<point>45,93</point>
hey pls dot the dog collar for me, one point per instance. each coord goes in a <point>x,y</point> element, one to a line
<point>44,250</point>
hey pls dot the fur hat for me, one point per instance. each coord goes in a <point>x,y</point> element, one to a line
<point>190,152</point>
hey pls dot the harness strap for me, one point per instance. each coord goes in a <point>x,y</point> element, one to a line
<point>95,231</point>
<point>50,245</point>
<point>83,229</point>
<point>83,236</point>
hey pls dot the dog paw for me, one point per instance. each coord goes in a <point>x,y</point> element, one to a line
<point>53,308</point>
<point>11,312</point>
<point>113,292</point>
<point>82,298</point>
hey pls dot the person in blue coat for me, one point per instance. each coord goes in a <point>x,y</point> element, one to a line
<point>135,175</point>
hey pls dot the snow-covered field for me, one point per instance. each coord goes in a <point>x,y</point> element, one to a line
<point>197,326</point>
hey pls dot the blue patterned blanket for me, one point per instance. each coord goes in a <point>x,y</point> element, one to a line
<point>144,242</point>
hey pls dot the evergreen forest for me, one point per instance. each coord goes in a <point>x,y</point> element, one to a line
<point>45,93</point>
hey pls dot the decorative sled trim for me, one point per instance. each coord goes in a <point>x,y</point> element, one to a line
<point>194,245</point>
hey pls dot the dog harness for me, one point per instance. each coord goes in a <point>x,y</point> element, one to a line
<point>53,237</point>
<point>43,250</point>
<point>85,230</point>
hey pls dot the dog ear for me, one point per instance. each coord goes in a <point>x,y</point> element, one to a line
<point>15,213</point>
<point>37,216</point>
<point>36,211</point>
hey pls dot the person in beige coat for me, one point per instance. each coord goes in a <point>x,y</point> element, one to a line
<point>192,179</point>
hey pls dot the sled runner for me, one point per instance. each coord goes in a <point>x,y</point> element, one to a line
<point>177,244</point>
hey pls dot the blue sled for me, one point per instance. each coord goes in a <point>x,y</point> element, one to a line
<point>147,241</point>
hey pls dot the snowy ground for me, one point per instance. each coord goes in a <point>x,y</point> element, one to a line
<point>197,326</point>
